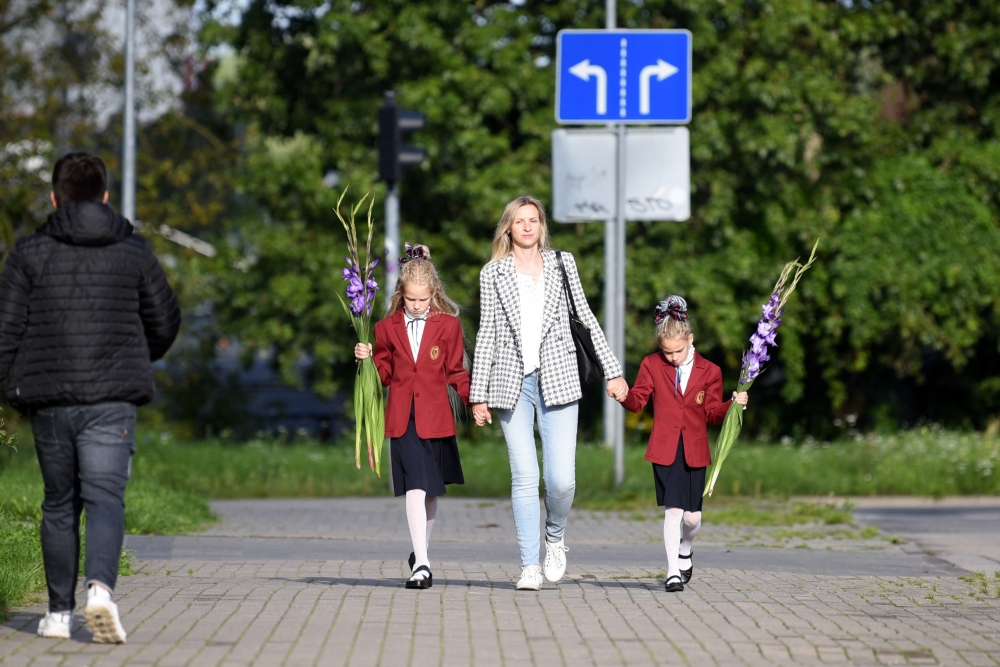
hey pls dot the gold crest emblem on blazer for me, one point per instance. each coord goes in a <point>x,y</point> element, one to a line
<point>700,398</point>
<point>436,352</point>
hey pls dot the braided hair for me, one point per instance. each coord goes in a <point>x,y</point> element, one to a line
<point>671,318</point>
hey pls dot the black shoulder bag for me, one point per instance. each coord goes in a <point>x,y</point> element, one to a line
<point>587,360</point>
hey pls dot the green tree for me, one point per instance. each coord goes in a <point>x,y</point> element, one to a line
<point>871,125</point>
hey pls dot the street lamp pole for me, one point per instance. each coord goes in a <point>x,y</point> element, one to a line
<point>128,139</point>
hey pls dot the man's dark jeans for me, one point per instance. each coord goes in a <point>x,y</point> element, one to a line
<point>84,452</point>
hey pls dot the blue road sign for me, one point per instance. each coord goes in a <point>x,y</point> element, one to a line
<point>623,76</point>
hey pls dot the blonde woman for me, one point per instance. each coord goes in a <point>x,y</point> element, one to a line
<point>525,367</point>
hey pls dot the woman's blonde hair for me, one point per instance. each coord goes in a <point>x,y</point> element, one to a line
<point>503,246</point>
<point>420,271</point>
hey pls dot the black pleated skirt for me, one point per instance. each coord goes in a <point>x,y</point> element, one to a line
<point>678,484</point>
<point>427,465</point>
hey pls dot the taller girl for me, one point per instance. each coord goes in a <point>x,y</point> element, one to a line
<point>418,352</point>
<point>525,366</point>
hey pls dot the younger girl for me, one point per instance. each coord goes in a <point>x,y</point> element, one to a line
<point>687,393</point>
<point>419,350</point>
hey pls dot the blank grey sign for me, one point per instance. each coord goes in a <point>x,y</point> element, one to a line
<point>584,178</point>
<point>658,174</point>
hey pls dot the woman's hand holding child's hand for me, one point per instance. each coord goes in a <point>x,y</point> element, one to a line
<point>481,414</point>
<point>742,398</point>
<point>362,351</point>
<point>618,388</point>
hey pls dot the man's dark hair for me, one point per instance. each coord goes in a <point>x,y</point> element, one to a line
<point>79,176</point>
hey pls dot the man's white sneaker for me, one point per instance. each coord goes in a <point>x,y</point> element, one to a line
<point>57,625</point>
<point>555,560</point>
<point>531,579</point>
<point>101,616</point>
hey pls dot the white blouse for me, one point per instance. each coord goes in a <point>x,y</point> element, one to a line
<point>532,293</point>
<point>414,331</point>
<point>685,369</point>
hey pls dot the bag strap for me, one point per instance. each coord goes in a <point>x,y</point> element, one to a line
<point>569,292</point>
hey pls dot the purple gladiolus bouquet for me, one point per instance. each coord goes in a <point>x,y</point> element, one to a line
<point>369,398</point>
<point>763,338</point>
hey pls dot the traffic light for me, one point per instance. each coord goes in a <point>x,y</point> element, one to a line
<point>393,154</point>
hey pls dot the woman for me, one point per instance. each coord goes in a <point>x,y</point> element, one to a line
<point>525,365</point>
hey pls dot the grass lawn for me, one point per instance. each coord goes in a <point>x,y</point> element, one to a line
<point>172,481</point>
<point>150,508</point>
<point>931,463</point>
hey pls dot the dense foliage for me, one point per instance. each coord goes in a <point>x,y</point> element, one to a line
<point>872,125</point>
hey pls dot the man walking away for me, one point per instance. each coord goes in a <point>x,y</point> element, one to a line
<point>85,309</point>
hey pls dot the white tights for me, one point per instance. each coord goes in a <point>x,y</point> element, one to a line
<point>679,529</point>
<point>421,511</point>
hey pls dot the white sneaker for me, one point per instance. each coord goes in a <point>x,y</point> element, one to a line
<point>531,579</point>
<point>57,625</point>
<point>555,560</point>
<point>101,616</point>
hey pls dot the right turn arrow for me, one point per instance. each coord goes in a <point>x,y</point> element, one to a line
<point>661,70</point>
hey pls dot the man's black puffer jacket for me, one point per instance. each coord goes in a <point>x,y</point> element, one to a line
<point>84,309</point>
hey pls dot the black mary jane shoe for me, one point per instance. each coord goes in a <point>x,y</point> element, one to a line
<point>674,584</point>
<point>421,584</point>
<point>411,561</point>
<point>686,574</point>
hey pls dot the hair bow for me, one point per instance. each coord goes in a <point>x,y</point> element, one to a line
<point>673,306</point>
<point>412,252</point>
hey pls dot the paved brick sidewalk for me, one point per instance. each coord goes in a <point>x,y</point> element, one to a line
<point>355,612</point>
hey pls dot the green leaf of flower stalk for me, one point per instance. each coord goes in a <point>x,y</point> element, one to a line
<point>359,415</point>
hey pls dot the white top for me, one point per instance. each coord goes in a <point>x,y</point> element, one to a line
<point>532,292</point>
<point>685,369</point>
<point>414,331</point>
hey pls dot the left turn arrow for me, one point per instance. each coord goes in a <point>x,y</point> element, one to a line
<point>584,70</point>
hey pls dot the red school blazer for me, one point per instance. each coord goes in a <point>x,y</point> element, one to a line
<point>686,413</point>
<point>423,382</point>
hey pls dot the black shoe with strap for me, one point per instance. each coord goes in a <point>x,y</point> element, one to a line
<point>686,574</point>
<point>674,584</point>
<point>421,582</point>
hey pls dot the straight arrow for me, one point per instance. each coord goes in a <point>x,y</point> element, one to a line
<point>583,70</point>
<point>661,70</point>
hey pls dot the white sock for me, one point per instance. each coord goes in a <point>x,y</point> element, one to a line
<point>690,528</point>
<point>672,519</point>
<point>416,517</point>
<point>98,592</point>
<point>431,507</point>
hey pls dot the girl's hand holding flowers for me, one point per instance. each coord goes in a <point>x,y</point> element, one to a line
<point>742,398</point>
<point>362,351</point>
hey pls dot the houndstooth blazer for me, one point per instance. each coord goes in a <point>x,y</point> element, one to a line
<point>497,369</point>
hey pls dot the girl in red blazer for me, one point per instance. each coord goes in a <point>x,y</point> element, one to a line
<point>686,390</point>
<point>419,352</point>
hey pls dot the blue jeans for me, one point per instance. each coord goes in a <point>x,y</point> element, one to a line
<point>557,426</point>
<point>84,452</point>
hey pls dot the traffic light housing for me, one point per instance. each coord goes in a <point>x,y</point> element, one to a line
<point>393,154</point>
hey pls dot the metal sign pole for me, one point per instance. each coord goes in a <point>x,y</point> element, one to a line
<point>611,407</point>
<point>619,310</point>
<point>128,157</point>
<point>614,287</point>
